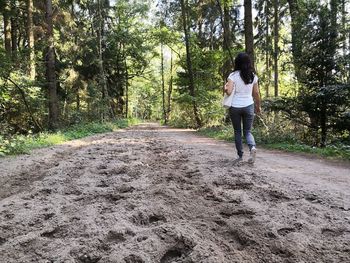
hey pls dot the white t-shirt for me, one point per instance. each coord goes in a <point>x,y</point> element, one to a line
<point>242,92</point>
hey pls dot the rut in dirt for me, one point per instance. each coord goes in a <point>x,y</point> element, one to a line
<point>154,194</point>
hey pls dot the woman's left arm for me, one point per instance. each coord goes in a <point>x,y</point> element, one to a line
<point>256,97</point>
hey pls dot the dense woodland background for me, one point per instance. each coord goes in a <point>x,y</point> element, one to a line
<point>64,62</point>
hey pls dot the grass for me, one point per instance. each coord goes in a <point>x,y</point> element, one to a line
<point>282,142</point>
<point>20,144</point>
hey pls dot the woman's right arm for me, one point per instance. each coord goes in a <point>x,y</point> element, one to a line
<point>256,97</point>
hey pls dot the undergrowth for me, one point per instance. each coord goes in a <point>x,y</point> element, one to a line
<point>20,144</point>
<point>285,142</point>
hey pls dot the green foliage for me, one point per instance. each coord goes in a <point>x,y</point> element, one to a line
<point>24,143</point>
<point>314,112</point>
<point>339,151</point>
<point>208,88</point>
<point>280,142</point>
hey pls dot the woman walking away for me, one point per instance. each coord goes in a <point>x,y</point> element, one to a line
<point>244,84</point>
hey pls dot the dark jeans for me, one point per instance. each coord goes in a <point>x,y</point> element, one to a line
<point>245,115</point>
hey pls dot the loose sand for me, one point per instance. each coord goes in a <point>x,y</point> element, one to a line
<point>154,194</point>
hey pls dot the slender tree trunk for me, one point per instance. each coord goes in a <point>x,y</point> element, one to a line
<point>323,120</point>
<point>348,49</point>
<point>7,29</point>
<point>170,87</point>
<point>102,80</point>
<point>163,84</point>
<point>126,89</point>
<point>212,32</point>
<point>201,38</point>
<point>334,6</point>
<point>227,40</point>
<point>30,35</point>
<point>343,16</point>
<point>77,101</point>
<point>189,63</point>
<point>14,27</point>
<point>267,49</point>
<point>227,29</point>
<point>347,35</point>
<point>248,30</point>
<point>276,39</point>
<point>334,12</point>
<point>296,38</point>
<point>50,70</point>
<point>346,44</point>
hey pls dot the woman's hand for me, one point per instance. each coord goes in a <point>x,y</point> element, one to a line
<point>258,110</point>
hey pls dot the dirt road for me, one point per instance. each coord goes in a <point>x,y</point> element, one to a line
<point>158,195</point>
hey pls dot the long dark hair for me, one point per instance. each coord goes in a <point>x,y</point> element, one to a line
<point>244,64</point>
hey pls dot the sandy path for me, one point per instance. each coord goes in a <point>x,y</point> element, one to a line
<point>152,194</point>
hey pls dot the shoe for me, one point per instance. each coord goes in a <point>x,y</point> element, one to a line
<point>238,160</point>
<point>252,156</point>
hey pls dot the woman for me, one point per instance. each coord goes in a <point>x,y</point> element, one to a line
<point>244,83</point>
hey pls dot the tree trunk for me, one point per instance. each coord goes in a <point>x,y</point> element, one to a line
<point>189,63</point>
<point>346,78</point>
<point>50,70</point>
<point>14,27</point>
<point>163,84</point>
<point>170,87</point>
<point>343,16</point>
<point>334,5</point>
<point>348,49</point>
<point>201,37</point>
<point>102,80</point>
<point>30,35</point>
<point>267,49</point>
<point>323,120</point>
<point>248,30</point>
<point>7,30</point>
<point>77,101</point>
<point>276,39</point>
<point>227,41</point>
<point>126,89</point>
<point>296,38</point>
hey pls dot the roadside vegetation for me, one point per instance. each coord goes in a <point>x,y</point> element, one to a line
<point>20,144</point>
<point>281,139</point>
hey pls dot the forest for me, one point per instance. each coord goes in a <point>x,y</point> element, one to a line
<point>73,62</point>
<point>110,115</point>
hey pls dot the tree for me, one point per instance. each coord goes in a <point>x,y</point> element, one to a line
<point>163,83</point>
<point>227,39</point>
<point>276,39</point>
<point>14,26</point>
<point>50,70</point>
<point>267,49</point>
<point>320,72</point>
<point>297,20</point>
<point>30,36</point>
<point>248,30</point>
<point>184,11</point>
<point>102,76</point>
<point>170,89</point>
<point>7,28</point>
<point>264,43</point>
